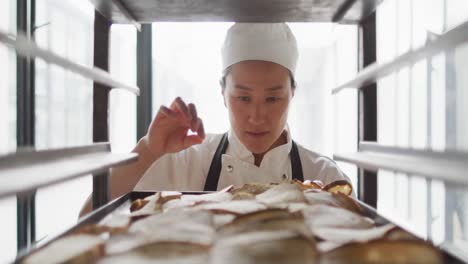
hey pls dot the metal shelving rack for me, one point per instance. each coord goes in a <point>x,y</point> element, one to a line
<point>23,172</point>
<point>26,171</point>
<point>375,71</point>
<point>148,11</point>
<point>65,164</point>
<point>28,48</point>
<point>449,166</point>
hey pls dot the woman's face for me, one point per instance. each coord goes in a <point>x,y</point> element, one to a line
<point>257,96</point>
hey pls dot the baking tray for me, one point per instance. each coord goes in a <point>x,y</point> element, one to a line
<point>123,204</point>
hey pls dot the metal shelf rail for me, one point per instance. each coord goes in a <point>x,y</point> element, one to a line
<point>26,171</point>
<point>375,71</point>
<point>447,166</point>
<point>146,11</point>
<point>28,48</point>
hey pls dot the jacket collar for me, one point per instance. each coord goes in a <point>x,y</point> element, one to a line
<point>271,159</point>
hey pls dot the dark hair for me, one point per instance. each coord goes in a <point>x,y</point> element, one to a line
<point>222,81</point>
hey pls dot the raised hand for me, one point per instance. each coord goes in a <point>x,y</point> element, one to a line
<point>168,132</point>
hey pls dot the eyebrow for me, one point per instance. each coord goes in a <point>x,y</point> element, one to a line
<point>274,88</point>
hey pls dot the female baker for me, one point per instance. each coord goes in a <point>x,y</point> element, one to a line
<point>257,85</point>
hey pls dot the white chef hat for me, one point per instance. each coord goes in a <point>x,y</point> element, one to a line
<point>272,42</point>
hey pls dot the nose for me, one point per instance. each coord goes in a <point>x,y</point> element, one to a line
<point>257,114</point>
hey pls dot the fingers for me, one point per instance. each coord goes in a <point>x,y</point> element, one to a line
<point>188,112</point>
<point>167,112</point>
<point>201,130</point>
<point>172,113</point>
<point>193,111</point>
<point>180,105</point>
<point>194,123</point>
<point>192,140</point>
<point>197,123</point>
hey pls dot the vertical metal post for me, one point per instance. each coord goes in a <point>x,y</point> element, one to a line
<point>453,197</point>
<point>429,105</point>
<point>101,103</point>
<point>25,122</point>
<point>367,104</point>
<point>144,79</point>
<point>452,194</point>
<point>428,143</point>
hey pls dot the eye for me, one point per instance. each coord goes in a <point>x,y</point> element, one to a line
<point>272,99</point>
<point>244,98</point>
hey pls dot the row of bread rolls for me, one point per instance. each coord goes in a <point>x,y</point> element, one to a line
<point>255,223</point>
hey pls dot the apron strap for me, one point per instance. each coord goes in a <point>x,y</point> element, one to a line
<point>296,164</point>
<point>211,183</point>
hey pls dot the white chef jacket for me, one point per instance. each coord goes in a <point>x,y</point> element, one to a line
<point>187,170</point>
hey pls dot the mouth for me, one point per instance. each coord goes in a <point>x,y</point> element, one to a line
<point>256,134</point>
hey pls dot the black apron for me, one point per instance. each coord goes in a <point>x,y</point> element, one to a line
<point>211,183</point>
